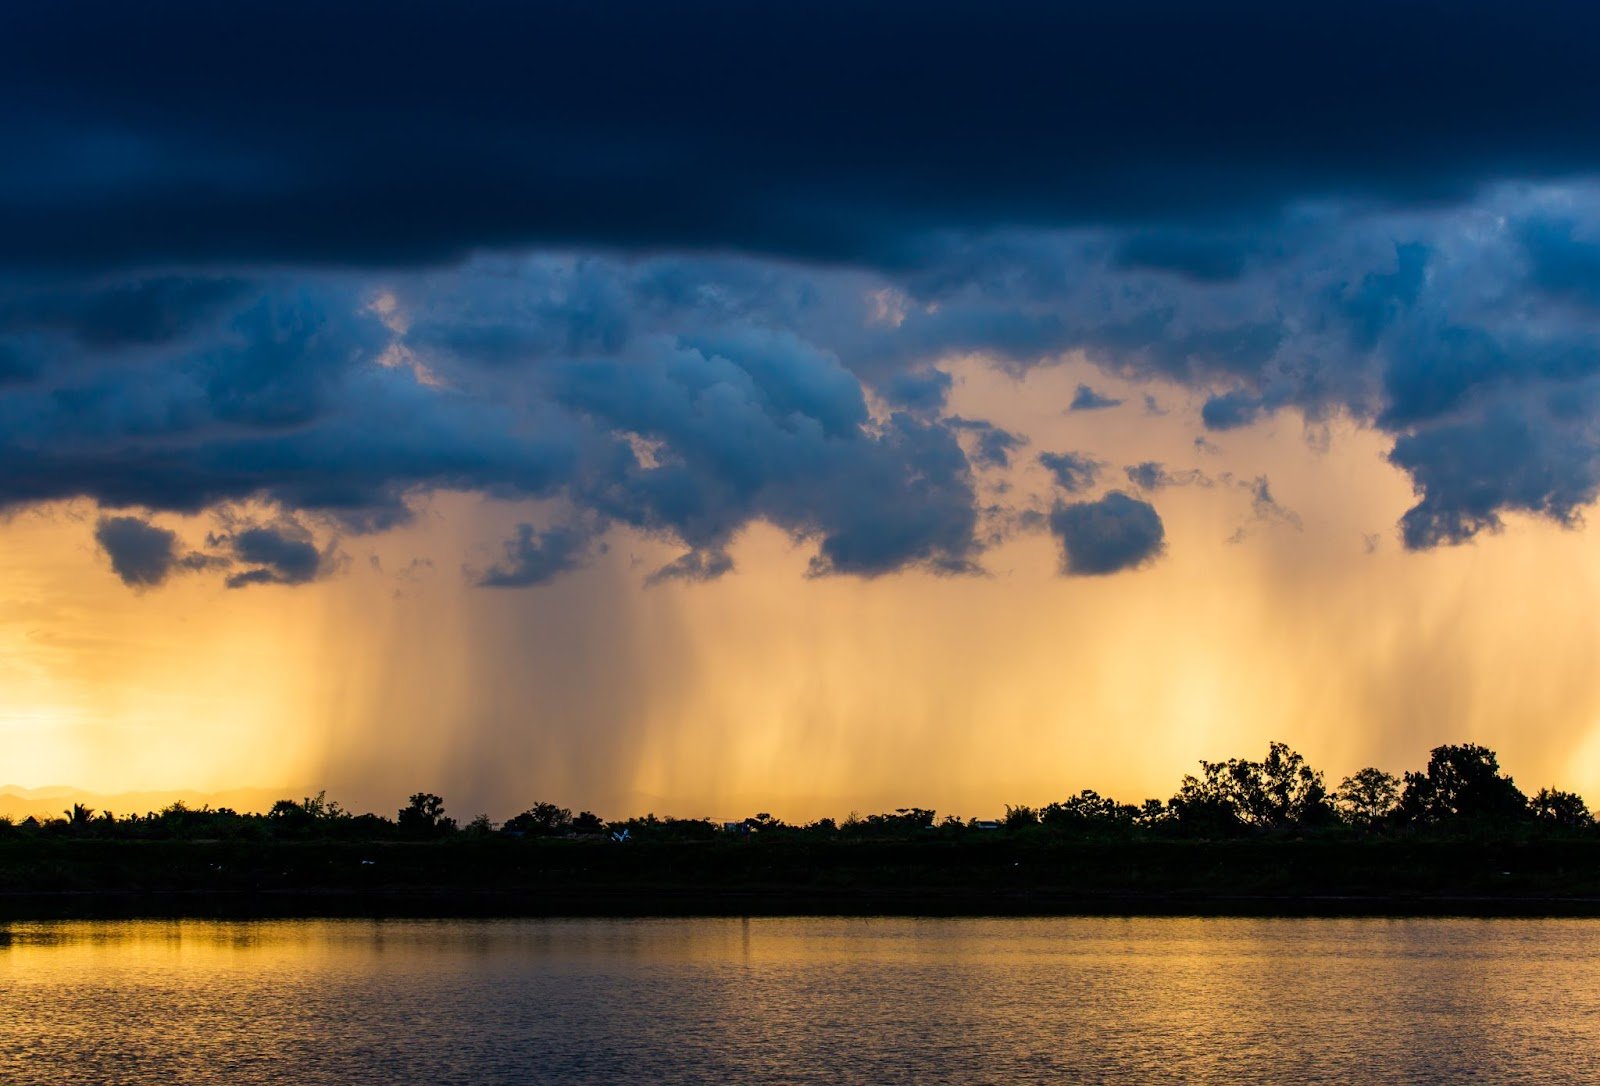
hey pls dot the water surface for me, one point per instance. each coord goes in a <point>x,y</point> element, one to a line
<point>801,1001</point>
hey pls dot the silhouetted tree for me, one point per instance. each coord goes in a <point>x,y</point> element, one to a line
<point>1561,810</point>
<point>424,816</point>
<point>313,816</point>
<point>588,823</point>
<point>1278,792</point>
<point>1020,817</point>
<point>541,820</point>
<point>1089,810</point>
<point>1368,797</point>
<point>1152,813</point>
<point>79,818</point>
<point>654,828</point>
<point>905,821</point>
<point>289,819</point>
<point>1462,784</point>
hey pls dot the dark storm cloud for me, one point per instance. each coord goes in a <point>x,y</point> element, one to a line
<point>16,366</point>
<point>119,312</point>
<point>1115,533</point>
<point>303,131</point>
<point>1517,456</point>
<point>1072,472</point>
<point>688,397</point>
<point>1252,207</point>
<point>1204,256</point>
<point>1564,258</point>
<point>697,422</point>
<point>923,392</point>
<point>1439,328</point>
<point>764,427</point>
<point>282,400</point>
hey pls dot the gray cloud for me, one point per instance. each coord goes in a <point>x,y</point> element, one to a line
<point>144,555</point>
<point>993,446</point>
<point>1115,533</point>
<point>141,554</point>
<point>282,553</point>
<point>1072,472</point>
<point>1515,456</point>
<point>688,397</point>
<point>1232,410</point>
<point>1087,399</point>
<point>1264,508</point>
<point>534,557</point>
<point>693,566</point>
<point>1153,475</point>
<point>921,391</point>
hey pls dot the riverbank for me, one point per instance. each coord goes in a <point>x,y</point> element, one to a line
<point>996,876</point>
<point>480,904</point>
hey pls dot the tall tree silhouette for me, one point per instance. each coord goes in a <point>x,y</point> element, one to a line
<point>1462,784</point>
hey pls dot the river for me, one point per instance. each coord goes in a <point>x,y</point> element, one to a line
<point>732,1002</point>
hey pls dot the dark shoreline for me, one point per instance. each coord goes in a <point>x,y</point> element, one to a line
<point>995,876</point>
<point>480,904</point>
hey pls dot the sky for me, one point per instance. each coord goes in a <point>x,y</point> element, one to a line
<point>802,407</point>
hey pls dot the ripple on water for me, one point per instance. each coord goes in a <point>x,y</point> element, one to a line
<point>734,1002</point>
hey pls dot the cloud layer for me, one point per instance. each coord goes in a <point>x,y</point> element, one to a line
<point>605,258</point>
<point>424,134</point>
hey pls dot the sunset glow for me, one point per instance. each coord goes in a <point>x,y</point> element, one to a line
<point>802,453</point>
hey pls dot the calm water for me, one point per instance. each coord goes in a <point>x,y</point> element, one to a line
<point>801,1001</point>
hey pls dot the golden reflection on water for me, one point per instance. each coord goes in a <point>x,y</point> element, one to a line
<point>823,1000</point>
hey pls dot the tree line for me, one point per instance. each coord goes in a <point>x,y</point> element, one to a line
<point>1461,791</point>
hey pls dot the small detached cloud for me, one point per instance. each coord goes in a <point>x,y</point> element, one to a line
<point>1264,508</point>
<point>1087,399</point>
<point>141,554</point>
<point>1072,472</point>
<point>281,553</point>
<point>534,557</point>
<point>1153,475</point>
<point>993,446</point>
<point>698,565</point>
<point>1115,533</point>
<point>144,555</point>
